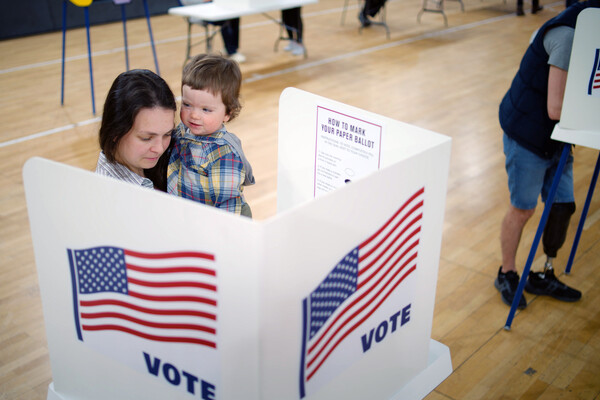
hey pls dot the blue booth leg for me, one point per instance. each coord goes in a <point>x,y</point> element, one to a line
<point>561,166</point>
<point>586,207</point>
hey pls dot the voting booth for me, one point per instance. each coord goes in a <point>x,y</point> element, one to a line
<point>150,296</point>
<point>580,117</point>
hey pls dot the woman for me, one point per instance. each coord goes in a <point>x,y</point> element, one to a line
<point>136,127</point>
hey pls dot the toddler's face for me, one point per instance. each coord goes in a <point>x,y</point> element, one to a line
<point>202,111</point>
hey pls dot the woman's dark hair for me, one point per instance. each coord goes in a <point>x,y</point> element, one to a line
<point>158,173</point>
<point>130,92</point>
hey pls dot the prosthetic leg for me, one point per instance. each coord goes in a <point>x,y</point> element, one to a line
<point>555,231</point>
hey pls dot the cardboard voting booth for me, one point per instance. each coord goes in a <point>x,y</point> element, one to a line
<point>580,117</point>
<point>150,296</point>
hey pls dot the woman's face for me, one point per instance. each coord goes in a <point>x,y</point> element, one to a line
<point>148,138</point>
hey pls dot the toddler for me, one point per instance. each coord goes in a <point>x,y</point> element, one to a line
<point>207,163</point>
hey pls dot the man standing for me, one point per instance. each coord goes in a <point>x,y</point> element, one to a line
<point>528,113</point>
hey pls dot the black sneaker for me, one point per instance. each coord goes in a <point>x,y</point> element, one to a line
<point>364,20</point>
<point>507,284</point>
<point>547,284</point>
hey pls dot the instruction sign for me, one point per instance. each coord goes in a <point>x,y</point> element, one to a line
<point>346,149</point>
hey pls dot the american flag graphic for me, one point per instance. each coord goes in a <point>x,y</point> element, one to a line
<point>164,297</point>
<point>358,285</point>
<point>594,85</point>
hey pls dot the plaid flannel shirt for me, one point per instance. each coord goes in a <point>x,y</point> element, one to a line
<point>206,169</point>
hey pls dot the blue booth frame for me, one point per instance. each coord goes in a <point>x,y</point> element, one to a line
<point>540,230</point>
<point>122,3</point>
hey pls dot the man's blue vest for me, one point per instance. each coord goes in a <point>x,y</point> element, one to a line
<point>524,111</point>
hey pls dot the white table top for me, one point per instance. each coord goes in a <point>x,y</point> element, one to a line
<point>214,12</point>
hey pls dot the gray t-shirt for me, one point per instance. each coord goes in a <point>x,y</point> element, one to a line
<point>558,43</point>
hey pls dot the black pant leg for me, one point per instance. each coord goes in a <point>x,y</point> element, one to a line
<point>292,20</point>
<point>372,7</point>
<point>230,31</point>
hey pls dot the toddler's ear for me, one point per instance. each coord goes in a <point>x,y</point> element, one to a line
<point>226,118</point>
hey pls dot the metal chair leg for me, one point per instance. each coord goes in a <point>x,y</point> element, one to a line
<point>344,11</point>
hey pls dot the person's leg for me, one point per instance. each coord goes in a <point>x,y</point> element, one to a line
<point>525,172</point>
<point>563,207</point>
<point>510,235</point>
<point>362,16</point>
<point>230,34</point>
<point>555,231</point>
<point>297,20</point>
<point>231,37</point>
<point>292,19</point>
<point>299,24</point>
<point>545,282</point>
<point>507,280</point>
<point>520,11</point>
<point>287,17</point>
<point>372,7</point>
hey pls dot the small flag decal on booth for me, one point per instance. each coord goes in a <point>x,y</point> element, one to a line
<point>594,85</point>
<point>161,297</point>
<point>354,290</point>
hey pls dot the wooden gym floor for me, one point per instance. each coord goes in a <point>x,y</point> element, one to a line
<point>447,79</point>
